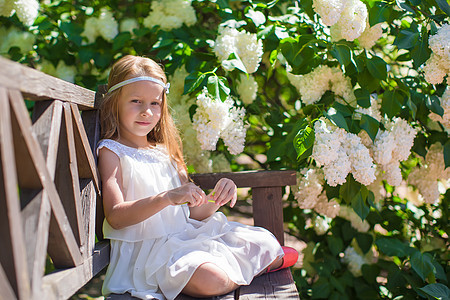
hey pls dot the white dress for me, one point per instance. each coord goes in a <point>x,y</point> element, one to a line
<point>155,259</point>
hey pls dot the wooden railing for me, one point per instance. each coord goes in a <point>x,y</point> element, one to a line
<point>50,207</point>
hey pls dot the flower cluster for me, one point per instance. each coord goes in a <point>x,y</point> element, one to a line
<point>347,18</point>
<point>392,146</point>
<point>13,37</point>
<point>129,25</point>
<point>309,194</point>
<point>321,225</point>
<point>372,111</point>
<point>445,103</point>
<point>370,35</point>
<point>354,260</point>
<point>214,118</point>
<point>246,46</point>
<point>426,177</point>
<point>313,85</point>
<point>438,65</point>
<point>171,14</point>
<point>26,10</point>
<point>247,88</point>
<point>61,71</point>
<point>341,153</point>
<point>105,26</point>
<point>349,214</point>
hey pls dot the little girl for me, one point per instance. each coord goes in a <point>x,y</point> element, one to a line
<point>166,236</point>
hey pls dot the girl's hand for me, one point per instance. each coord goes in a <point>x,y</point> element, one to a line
<point>224,192</point>
<point>187,193</point>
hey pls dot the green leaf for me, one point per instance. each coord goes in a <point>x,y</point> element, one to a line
<point>217,86</point>
<point>120,40</point>
<point>370,273</point>
<point>299,55</point>
<point>412,108</point>
<point>349,189</point>
<point>447,153</point>
<point>421,52</point>
<point>392,103</point>
<point>335,244</point>
<point>434,104</point>
<point>234,61</point>
<point>380,12</point>
<point>393,247</point>
<point>73,31</point>
<point>337,118</point>
<point>359,203</point>
<point>422,264</point>
<point>342,53</point>
<point>436,290</point>
<point>407,39</point>
<point>362,97</point>
<point>321,289</point>
<point>370,125</point>
<point>365,241</point>
<point>304,140</point>
<point>377,67</point>
<point>337,284</point>
<point>193,81</point>
<point>443,4</point>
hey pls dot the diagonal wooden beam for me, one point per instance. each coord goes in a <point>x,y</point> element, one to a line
<point>85,158</point>
<point>63,247</point>
<point>18,275</point>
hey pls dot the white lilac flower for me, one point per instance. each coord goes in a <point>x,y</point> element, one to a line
<point>313,85</point>
<point>326,207</point>
<point>321,225</point>
<point>445,104</point>
<point>349,214</point>
<point>354,261</point>
<point>370,35</point>
<point>329,10</point>
<point>247,88</point>
<point>426,178</point>
<point>65,72</point>
<point>214,119</point>
<point>13,37</point>
<point>341,153</point>
<point>6,8</point>
<point>171,14</point>
<point>438,65</point>
<point>105,26</point>
<point>243,44</point>
<point>392,146</point>
<point>352,21</point>
<point>177,86</point>
<point>309,187</point>
<point>373,110</point>
<point>108,27</point>
<point>129,25</point>
<point>27,11</point>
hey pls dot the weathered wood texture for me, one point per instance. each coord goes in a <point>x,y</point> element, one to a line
<point>48,187</point>
<point>50,204</point>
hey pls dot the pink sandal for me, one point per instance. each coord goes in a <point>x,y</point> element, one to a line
<point>289,259</point>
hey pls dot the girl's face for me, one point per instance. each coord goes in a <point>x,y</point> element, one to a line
<point>139,108</point>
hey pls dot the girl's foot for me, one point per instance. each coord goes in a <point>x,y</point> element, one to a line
<point>289,259</point>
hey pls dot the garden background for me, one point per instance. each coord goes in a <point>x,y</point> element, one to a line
<point>352,94</point>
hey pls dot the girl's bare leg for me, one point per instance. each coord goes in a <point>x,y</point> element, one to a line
<point>209,280</point>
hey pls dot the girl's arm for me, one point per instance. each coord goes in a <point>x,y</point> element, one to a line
<point>225,191</point>
<point>120,213</point>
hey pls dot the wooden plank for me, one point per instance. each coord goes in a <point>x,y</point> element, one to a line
<point>61,239</point>
<point>62,284</point>
<point>16,268</point>
<point>255,178</point>
<point>36,85</point>
<point>6,292</point>
<point>88,201</point>
<point>271,286</point>
<point>47,117</point>
<point>87,167</point>
<point>36,222</point>
<point>268,210</point>
<point>127,296</point>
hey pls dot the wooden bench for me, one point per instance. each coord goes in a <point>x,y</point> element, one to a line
<point>50,207</point>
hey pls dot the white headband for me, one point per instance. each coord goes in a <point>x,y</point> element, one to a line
<point>140,78</point>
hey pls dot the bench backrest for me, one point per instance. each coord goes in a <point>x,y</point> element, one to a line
<point>50,204</point>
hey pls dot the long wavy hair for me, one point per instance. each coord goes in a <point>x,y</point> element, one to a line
<point>164,132</point>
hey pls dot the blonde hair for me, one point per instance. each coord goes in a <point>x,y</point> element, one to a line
<point>164,132</point>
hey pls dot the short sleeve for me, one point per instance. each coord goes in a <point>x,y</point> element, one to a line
<point>111,145</point>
